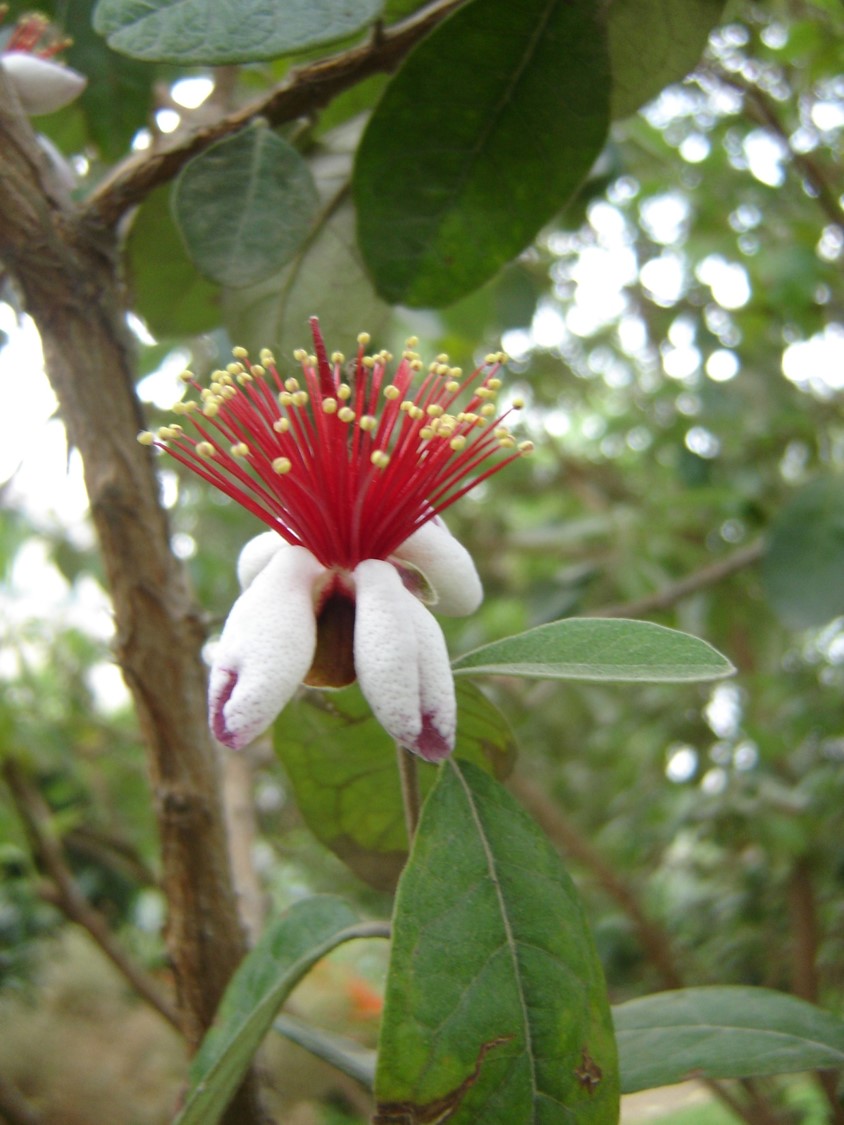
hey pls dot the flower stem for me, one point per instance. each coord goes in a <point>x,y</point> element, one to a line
<point>409,778</point>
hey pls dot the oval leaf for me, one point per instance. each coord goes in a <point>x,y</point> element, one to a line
<point>215,32</point>
<point>598,648</point>
<point>446,198</point>
<point>244,206</point>
<point>496,1008</point>
<point>342,768</point>
<point>285,952</point>
<point>653,43</point>
<point>722,1032</point>
<point>803,567</point>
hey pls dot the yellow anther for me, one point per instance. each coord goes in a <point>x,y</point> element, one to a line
<point>457,443</point>
<point>329,406</point>
<point>502,432</point>
<point>491,359</point>
<point>234,368</point>
<point>282,465</point>
<point>368,361</point>
<point>416,364</point>
<point>456,372</point>
<point>285,398</point>
<point>164,433</point>
<point>344,392</point>
<point>488,409</point>
<point>416,412</point>
<point>338,357</point>
<point>380,459</point>
<point>300,355</point>
<point>442,357</point>
<point>368,423</point>
<point>210,409</point>
<point>452,386</point>
<point>180,407</point>
<point>267,357</point>
<point>240,353</point>
<point>412,342</point>
<point>300,398</point>
<point>526,447</point>
<point>146,437</point>
<point>484,392</point>
<point>363,339</point>
<point>258,371</point>
<point>426,433</point>
<point>443,369</point>
<point>384,356</point>
<point>517,404</point>
<point>291,384</point>
<point>311,361</point>
<point>346,414</point>
<point>494,384</point>
<point>240,449</point>
<point>406,406</point>
<point>434,410</point>
<point>392,392</point>
<point>244,377</point>
<point>281,425</point>
<point>205,449</point>
<point>507,442</point>
<point>229,392</point>
<point>187,377</point>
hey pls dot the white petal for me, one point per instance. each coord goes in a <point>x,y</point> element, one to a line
<point>447,565</point>
<point>256,554</point>
<point>266,648</point>
<point>42,86</point>
<point>402,663</point>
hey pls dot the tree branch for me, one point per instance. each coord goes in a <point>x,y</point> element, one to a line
<point>306,89</point>
<point>669,595</point>
<point>68,276</point>
<point>65,893</point>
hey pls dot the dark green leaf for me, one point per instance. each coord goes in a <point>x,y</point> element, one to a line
<point>168,293</point>
<point>286,951</point>
<point>244,206</point>
<point>596,648</point>
<point>496,1008</point>
<point>803,568</point>
<point>654,43</point>
<point>215,32</point>
<point>446,197</point>
<point>342,767</point>
<point>719,1032</point>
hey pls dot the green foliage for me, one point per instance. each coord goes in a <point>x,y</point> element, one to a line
<point>804,562</point>
<point>287,950</point>
<point>225,202</point>
<point>722,1033</point>
<point>342,767</point>
<point>445,199</point>
<point>599,649</point>
<point>213,33</point>
<point>495,1008</point>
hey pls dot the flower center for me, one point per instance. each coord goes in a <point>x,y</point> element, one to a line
<point>344,461</point>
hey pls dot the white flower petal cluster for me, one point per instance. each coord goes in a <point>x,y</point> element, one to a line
<point>269,641</point>
<point>42,85</point>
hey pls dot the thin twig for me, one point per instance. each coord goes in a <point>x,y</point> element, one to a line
<point>669,595</point>
<point>409,777</point>
<point>64,891</point>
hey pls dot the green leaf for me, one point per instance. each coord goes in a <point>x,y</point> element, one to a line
<point>803,567</point>
<point>449,188</point>
<point>342,768</point>
<point>718,1032</point>
<point>496,1008</point>
<point>216,32</point>
<point>244,206</point>
<point>285,952</point>
<point>654,43</point>
<point>599,648</point>
<point>169,294</point>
